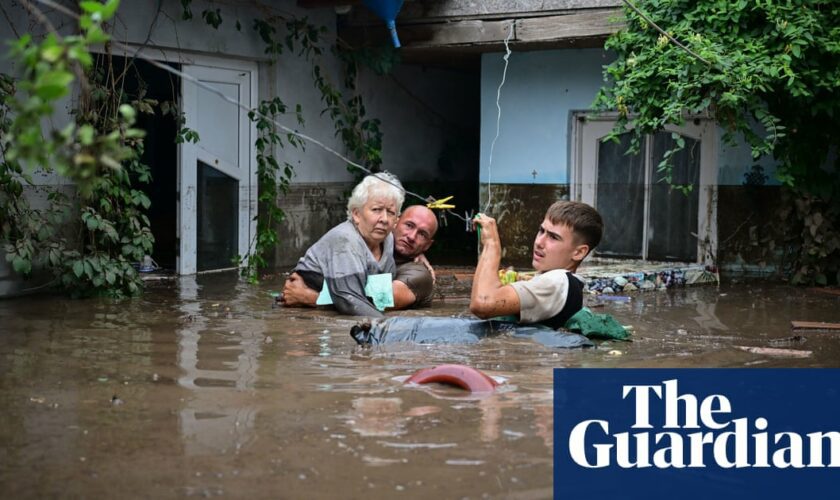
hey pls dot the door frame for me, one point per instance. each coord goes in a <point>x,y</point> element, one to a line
<point>583,180</point>
<point>189,153</point>
<point>184,58</point>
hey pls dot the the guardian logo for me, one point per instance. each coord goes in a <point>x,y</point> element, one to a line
<point>712,432</point>
<point>692,434</point>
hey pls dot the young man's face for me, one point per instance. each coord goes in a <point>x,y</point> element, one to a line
<point>555,248</point>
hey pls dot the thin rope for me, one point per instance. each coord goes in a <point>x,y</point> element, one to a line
<point>506,57</point>
<point>279,125</point>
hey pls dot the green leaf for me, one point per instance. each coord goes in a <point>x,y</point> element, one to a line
<point>78,268</point>
<point>91,7</point>
<point>52,54</point>
<point>88,269</point>
<point>110,8</point>
<point>92,223</point>
<point>86,135</point>
<point>127,112</point>
<point>21,265</point>
<point>53,84</point>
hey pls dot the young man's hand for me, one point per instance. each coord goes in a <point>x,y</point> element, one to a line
<point>489,297</point>
<point>489,230</point>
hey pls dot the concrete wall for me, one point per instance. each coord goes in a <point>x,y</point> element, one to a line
<point>541,89</point>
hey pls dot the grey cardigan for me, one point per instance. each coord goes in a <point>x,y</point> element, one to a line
<point>343,260</point>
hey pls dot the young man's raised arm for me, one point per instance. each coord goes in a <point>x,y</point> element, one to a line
<point>489,298</point>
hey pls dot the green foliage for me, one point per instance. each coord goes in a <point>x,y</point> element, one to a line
<point>23,229</point>
<point>274,179</point>
<point>115,231</point>
<point>773,79</point>
<point>186,12</point>
<point>99,151</point>
<point>48,68</point>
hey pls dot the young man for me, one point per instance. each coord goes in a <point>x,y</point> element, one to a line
<point>569,232</point>
<point>413,283</point>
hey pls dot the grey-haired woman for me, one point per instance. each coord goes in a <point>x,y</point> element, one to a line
<point>357,248</point>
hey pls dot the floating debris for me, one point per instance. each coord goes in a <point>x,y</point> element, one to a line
<point>814,325</point>
<point>772,351</point>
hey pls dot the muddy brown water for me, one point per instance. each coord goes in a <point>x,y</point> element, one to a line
<point>201,388</point>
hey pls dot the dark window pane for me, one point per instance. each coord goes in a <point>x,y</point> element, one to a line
<point>217,219</point>
<point>620,198</point>
<point>673,215</point>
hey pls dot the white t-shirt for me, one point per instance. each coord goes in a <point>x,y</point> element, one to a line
<point>543,296</point>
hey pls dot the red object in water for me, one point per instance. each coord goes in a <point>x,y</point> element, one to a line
<point>461,376</point>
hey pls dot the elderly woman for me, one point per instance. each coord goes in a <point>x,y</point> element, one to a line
<point>357,248</point>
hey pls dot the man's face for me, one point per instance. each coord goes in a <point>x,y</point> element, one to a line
<point>414,232</point>
<point>555,248</point>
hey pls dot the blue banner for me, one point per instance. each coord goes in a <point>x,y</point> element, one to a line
<point>696,434</point>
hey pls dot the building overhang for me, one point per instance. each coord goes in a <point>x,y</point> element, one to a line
<point>453,30</point>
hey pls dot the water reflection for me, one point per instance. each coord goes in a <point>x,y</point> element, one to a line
<point>706,317</point>
<point>220,370</point>
<point>377,417</point>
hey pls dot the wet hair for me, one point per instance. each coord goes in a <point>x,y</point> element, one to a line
<point>585,221</point>
<point>383,185</point>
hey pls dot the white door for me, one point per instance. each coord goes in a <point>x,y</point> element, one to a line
<point>217,175</point>
<point>644,217</point>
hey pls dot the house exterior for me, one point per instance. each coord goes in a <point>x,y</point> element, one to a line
<point>450,127</point>
<point>204,194</point>
<point>540,142</point>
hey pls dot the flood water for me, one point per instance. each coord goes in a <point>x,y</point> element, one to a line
<point>201,388</point>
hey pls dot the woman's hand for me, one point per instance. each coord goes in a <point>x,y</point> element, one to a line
<point>297,294</point>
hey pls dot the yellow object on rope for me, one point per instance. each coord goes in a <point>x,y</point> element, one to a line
<point>440,204</point>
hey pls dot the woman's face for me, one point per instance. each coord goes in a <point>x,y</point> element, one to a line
<point>375,219</point>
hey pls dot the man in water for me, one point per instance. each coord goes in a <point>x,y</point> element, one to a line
<point>568,233</point>
<point>413,283</point>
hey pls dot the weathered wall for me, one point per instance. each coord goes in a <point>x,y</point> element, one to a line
<point>744,217</point>
<point>429,117</point>
<point>519,209</point>
<point>311,210</point>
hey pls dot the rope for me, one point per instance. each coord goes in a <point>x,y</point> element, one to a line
<point>506,57</point>
<point>279,125</point>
